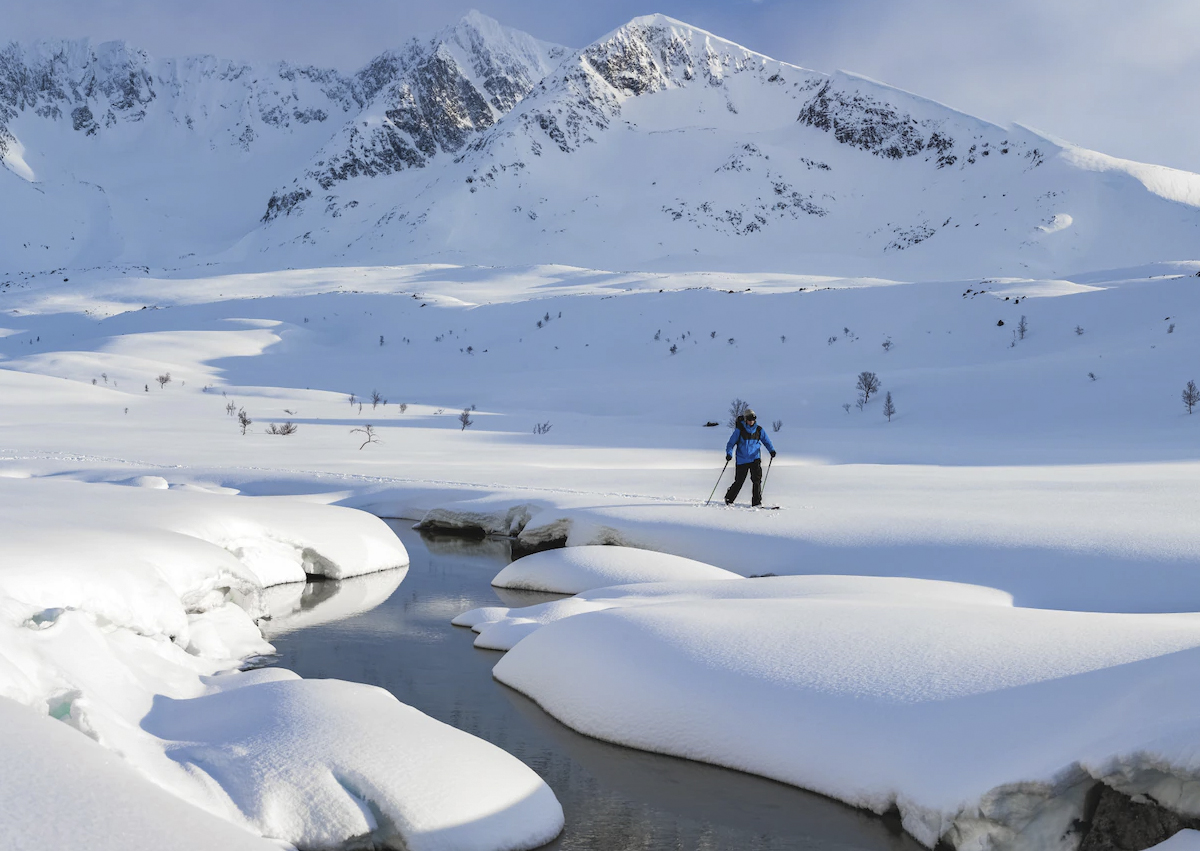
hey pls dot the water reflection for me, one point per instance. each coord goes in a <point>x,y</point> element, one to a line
<point>614,797</point>
<point>299,605</point>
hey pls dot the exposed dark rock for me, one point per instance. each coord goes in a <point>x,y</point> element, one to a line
<point>1114,821</point>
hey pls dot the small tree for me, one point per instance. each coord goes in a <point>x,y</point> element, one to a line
<point>541,428</point>
<point>736,408</point>
<point>1092,376</point>
<point>776,425</point>
<point>1191,396</point>
<point>846,407</point>
<point>353,400</point>
<point>381,339</point>
<point>244,420</point>
<point>1171,328</point>
<point>376,398</point>
<point>674,348</point>
<point>465,419</point>
<point>887,344</point>
<point>888,408</point>
<point>231,408</point>
<point>1078,330</point>
<point>868,383</point>
<point>163,380</point>
<point>403,407</point>
<point>1023,326</point>
<point>367,430</point>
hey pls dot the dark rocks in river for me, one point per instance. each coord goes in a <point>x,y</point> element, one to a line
<point>1115,821</point>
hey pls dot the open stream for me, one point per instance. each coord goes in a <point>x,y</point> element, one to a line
<point>614,798</point>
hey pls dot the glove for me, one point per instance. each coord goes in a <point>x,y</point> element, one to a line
<point>772,454</point>
<point>728,457</point>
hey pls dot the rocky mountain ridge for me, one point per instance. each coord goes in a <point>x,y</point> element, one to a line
<point>660,145</point>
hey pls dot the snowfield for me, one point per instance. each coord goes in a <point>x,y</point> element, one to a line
<point>184,531</point>
<point>495,286</point>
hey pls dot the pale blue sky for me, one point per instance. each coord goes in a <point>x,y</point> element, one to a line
<point>1113,75</point>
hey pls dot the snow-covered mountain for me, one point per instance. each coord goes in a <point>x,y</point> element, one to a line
<point>657,146</point>
<point>111,155</point>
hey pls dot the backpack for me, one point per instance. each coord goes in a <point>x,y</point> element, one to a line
<point>748,435</point>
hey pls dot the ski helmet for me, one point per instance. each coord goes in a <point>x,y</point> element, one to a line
<point>748,414</point>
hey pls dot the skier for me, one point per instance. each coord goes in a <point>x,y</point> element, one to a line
<point>747,437</point>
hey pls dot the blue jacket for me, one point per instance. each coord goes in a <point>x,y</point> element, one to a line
<point>748,443</point>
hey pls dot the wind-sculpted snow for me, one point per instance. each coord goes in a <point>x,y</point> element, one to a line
<point>326,763</point>
<point>983,724</point>
<point>571,570</point>
<point>118,630</point>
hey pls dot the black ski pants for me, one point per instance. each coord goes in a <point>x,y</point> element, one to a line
<point>754,468</point>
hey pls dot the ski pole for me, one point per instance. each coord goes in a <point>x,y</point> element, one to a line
<point>723,469</point>
<point>764,484</point>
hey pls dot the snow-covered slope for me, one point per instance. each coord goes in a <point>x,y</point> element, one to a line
<point>659,146</point>
<point>111,155</point>
<point>664,146</point>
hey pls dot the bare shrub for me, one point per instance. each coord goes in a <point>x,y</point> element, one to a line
<point>541,428</point>
<point>1023,326</point>
<point>776,425</point>
<point>163,380</point>
<point>244,420</point>
<point>846,407</point>
<point>376,398</point>
<point>231,408</point>
<point>465,419</point>
<point>403,407</point>
<point>888,408</point>
<point>868,383</point>
<point>286,428</point>
<point>887,344</point>
<point>1078,330</point>
<point>369,431</point>
<point>736,408</point>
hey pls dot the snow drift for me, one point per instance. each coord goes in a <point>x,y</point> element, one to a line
<point>570,570</point>
<point>126,630</point>
<point>984,724</point>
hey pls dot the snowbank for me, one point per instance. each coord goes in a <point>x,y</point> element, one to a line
<point>981,722</point>
<point>571,570</point>
<point>122,630</point>
<point>76,792</point>
<point>319,763</point>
